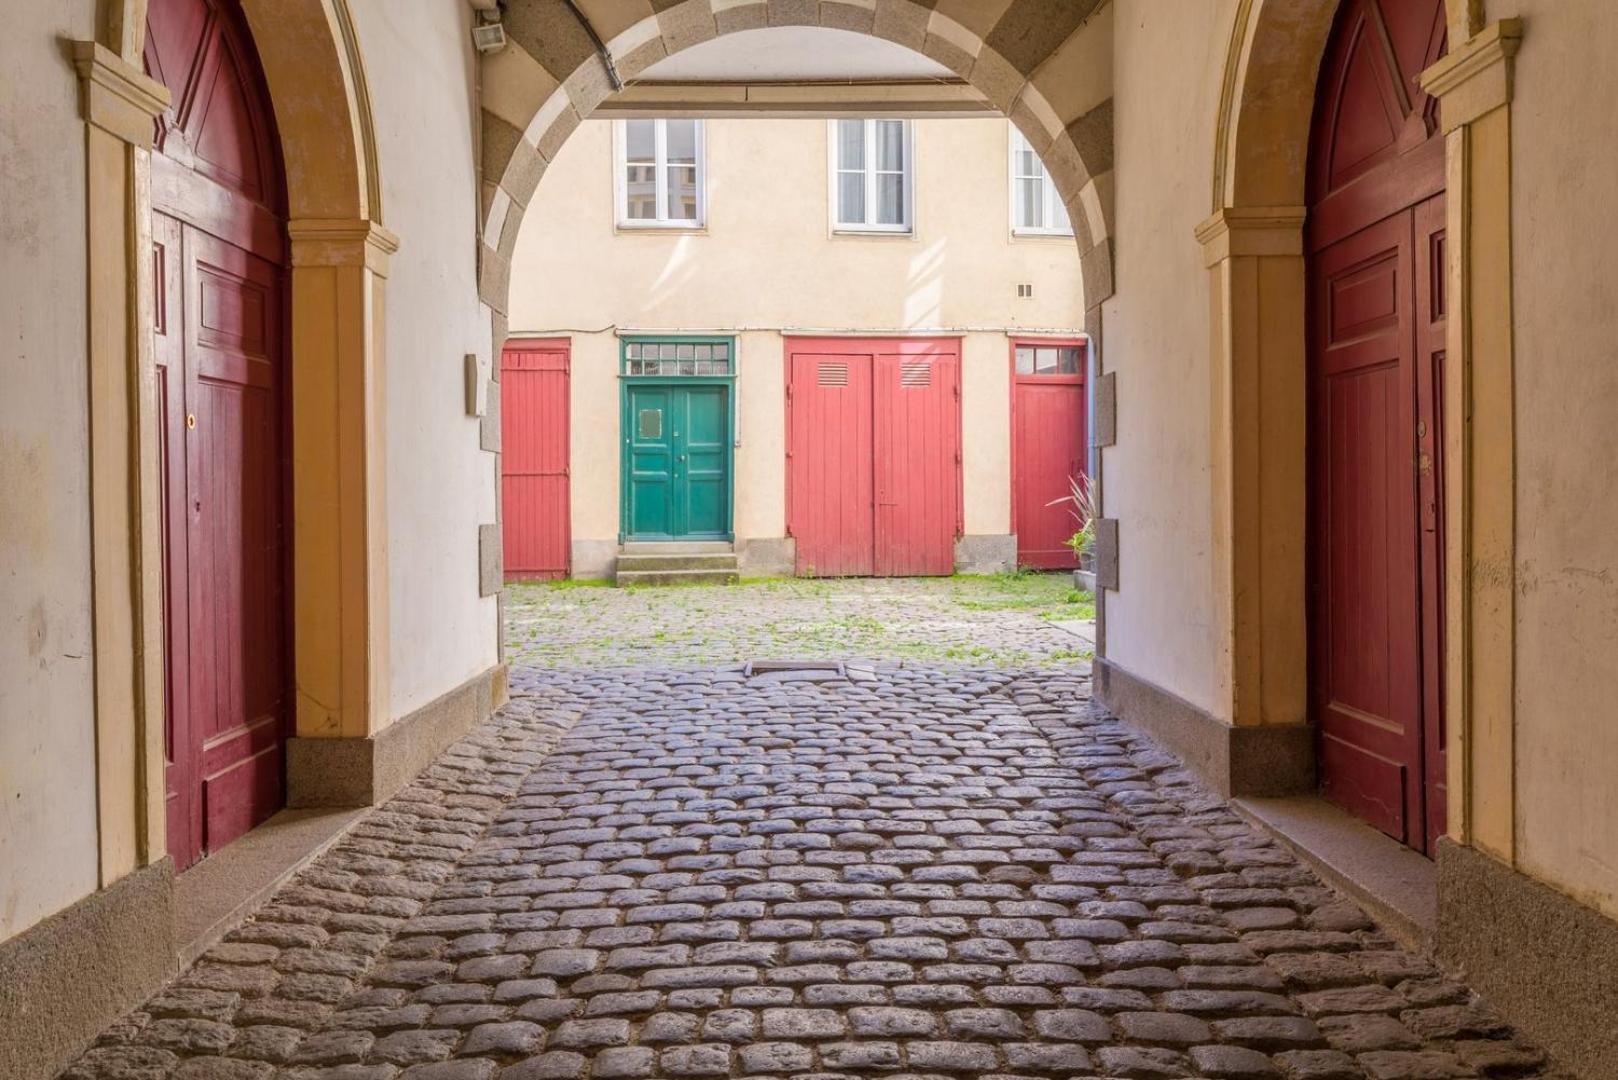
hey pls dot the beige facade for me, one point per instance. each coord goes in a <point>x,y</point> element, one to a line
<point>768,263</point>
<point>1177,131</point>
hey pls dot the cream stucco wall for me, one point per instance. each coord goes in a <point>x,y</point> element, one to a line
<point>48,853</point>
<point>440,484</point>
<point>1565,262</point>
<point>1162,623</point>
<point>768,260</point>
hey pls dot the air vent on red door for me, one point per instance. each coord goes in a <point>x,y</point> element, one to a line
<point>832,373</point>
<point>916,373</point>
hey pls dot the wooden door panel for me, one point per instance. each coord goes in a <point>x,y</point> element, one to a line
<point>536,499</point>
<point>1366,671</point>
<point>917,456</point>
<point>1048,451</point>
<point>702,459</point>
<point>830,510</point>
<point>1375,234</point>
<point>649,510</point>
<point>219,242</point>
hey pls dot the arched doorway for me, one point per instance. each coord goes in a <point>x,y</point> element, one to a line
<point>1374,241</point>
<point>219,261</point>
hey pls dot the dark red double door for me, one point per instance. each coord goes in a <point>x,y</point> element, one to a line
<point>874,455</point>
<point>218,253</point>
<point>1377,310</point>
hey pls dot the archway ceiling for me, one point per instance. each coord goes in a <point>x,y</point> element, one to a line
<point>797,54</point>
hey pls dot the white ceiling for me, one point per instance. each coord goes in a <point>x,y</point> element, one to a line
<point>795,54</point>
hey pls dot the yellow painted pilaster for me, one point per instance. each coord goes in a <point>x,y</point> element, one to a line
<point>119,104</point>
<point>340,610</point>
<point>1473,84</point>
<point>1256,276</point>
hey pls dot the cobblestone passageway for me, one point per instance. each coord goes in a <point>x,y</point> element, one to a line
<point>893,869</point>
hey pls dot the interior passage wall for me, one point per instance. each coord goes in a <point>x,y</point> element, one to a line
<point>440,484</point>
<point>1162,623</point>
<point>1564,264</point>
<point>768,258</point>
<point>47,708</point>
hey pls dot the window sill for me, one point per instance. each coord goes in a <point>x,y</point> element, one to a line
<point>1041,234</point>
<point>878,233</point>
<point>678,230</point>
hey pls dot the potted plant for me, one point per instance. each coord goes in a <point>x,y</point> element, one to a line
<point>1081,502</point>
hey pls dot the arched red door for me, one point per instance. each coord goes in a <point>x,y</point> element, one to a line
<point>219,256</point>
<point>1376,334</point>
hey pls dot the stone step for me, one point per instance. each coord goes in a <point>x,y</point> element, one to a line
<point>717,560</point>
<point>678,577</point>
<point>676,547</point>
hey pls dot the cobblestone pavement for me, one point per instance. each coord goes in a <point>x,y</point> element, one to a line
<point>898,871</point>
<point>1002,620</point>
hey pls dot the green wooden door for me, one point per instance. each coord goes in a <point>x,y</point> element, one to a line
<point>678,461</point>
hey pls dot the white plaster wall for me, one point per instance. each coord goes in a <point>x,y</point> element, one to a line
<point>768,260</point>
<point>1161,623</point>
<point>440,484</point>
<point>1565,263</point>
<point>48,837</point>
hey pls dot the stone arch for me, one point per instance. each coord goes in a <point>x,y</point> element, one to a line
<point>1019,54</point>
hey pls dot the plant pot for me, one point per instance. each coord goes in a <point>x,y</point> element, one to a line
<point>1084,579</point>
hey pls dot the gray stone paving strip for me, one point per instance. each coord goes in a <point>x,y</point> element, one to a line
<point>913,873</point>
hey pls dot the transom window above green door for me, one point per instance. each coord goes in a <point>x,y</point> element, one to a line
<point>678,358</point>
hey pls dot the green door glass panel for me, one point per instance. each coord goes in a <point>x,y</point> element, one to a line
<point>677,467</point>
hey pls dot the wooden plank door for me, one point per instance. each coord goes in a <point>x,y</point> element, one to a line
<point>831,511</point>
<point>1366,681</point>
<point>534,472</point>
<point>701,488</point>
<point>218,235</point>
<point>917,446</point>
<point>649,471</point>
<point>1049,445</point>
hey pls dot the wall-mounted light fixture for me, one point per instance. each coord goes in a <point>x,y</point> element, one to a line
<point>488,34</point>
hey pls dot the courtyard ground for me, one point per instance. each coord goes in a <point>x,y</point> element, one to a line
<point>931,863</point>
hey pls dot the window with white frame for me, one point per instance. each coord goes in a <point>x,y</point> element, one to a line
<point>660,174</point>
<point>872,175</point>
<point>1036,208</point>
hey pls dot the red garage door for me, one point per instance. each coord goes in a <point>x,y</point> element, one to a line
<point>873,455</point>
<point>534,478</point>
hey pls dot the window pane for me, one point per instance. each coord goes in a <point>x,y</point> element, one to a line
<point>1059,218</point>
<point>1045,361</point>
<point>632,350</point>
<point>1030,204</point>
<point>851,144</point>
<point>1025,360</point>
<point>890,144</point>
<point>683,192</point>
<point>1068,362</point>
<point>686,352</point>
<point>640,193</point>
<point>704,352</point>
<point>721,350</point>
<point>851,198</point>
<point>681,142</point>
<point>668,350</point>
<point>640,140</point>
<point>890,195</point>
<point>1027,163</point>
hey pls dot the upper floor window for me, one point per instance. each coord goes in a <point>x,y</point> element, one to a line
<point>873,180</point>
<point>660,174</point>
<point>1036,207</point>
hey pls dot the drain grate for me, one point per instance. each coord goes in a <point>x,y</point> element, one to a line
<point>829,669</point>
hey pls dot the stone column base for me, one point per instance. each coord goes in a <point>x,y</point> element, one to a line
<point>63,981</point>
<point>365,772</point>
<point>1547,962</point>
<point>1235,761</point>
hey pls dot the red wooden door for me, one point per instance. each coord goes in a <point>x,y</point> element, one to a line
<point>218,259</point>
<point>534,456</point>
<point>1049,446</point>
<point>831,508</point>
<point>917,449</point>
<point>1376,352</point>
<point>873,455</point>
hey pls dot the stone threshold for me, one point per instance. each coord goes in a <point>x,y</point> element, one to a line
<point>1396,886</point>
<point>217,893</point>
